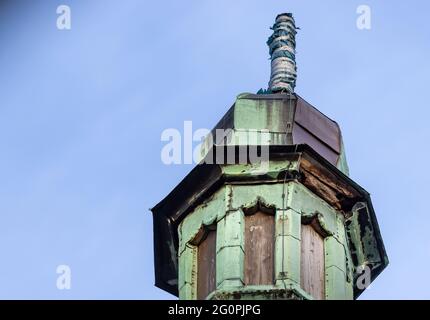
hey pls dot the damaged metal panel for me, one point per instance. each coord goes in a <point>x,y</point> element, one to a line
<point>317,124</point>
<point>165,247</point>
<point>301,135</point>
<point>364,247</point>
<point>328,184</point>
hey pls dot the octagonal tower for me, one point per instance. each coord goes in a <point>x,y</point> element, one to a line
<point>291,225</point>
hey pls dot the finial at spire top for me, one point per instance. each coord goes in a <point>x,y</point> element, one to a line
<point>282,49</point>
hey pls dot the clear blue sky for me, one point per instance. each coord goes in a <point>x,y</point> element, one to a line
<point>82,111</point>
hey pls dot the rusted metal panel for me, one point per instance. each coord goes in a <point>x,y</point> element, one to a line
<point>301,135</point>
<point>312,262</point>
<point>328,185</point>
<point>322,127</point>
<point>259,246</point>
<point>287,114</point>
<point>206,266</point>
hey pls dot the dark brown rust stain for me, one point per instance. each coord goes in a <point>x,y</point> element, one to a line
<point>318,124</point>
<point>301,135</point>
<point>321,189</point>
<point>328,178</point>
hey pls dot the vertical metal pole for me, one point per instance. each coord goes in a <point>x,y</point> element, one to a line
<point>282,49</point>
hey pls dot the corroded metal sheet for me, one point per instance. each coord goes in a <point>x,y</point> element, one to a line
<point>301,135</point>
<point>319,125</point>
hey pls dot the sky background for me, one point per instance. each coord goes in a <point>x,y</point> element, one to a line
<point>82,112</point>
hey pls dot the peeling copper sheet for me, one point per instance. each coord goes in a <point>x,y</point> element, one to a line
<point>318,124</point>
<point>303,136</point>
<point>315,129</point>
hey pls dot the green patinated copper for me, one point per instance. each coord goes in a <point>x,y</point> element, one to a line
<point>256,121</point>
<point>225,208</point>
<point>352,236</point>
